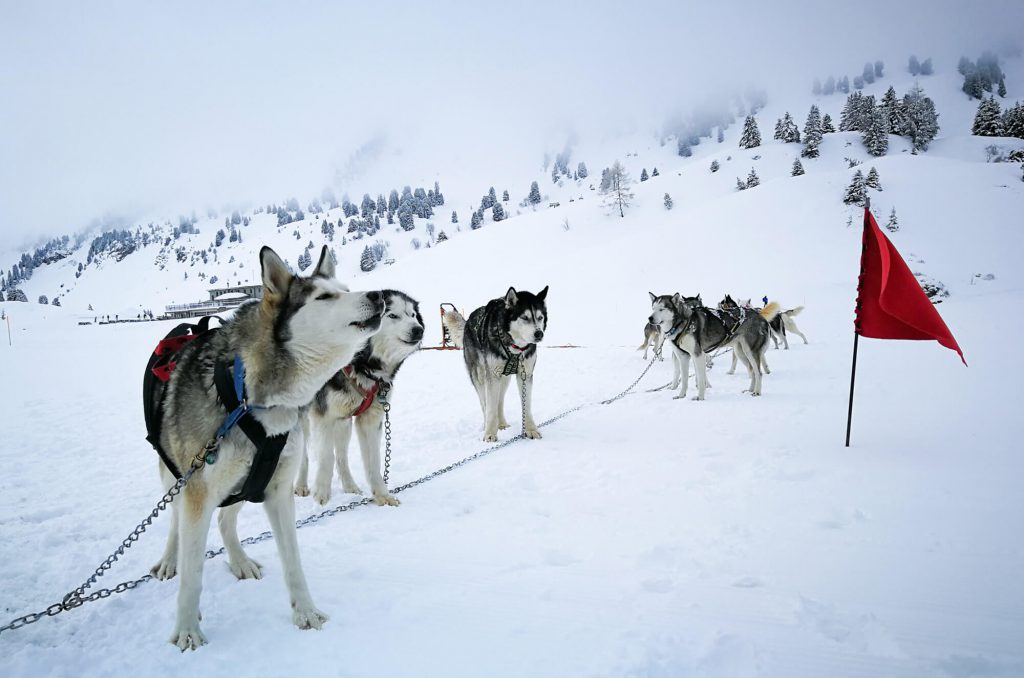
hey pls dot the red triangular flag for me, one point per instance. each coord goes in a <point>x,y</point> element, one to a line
<point>890,301</point>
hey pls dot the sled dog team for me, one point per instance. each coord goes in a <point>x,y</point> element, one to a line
<point>313,361</point>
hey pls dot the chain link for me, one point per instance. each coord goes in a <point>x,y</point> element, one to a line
<point>77,597</point>
<point>384,389</point>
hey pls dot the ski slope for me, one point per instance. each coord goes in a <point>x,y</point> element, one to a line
<point>648,537</point>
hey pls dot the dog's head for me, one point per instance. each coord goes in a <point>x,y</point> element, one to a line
<point>527,316</point>
<point>401,329</point>
<point>667,309</point>
<point>728,304</point>
<point>317,316</point>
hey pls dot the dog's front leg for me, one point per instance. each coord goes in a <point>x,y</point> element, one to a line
<point>732,368</point>
<point>193,527</point>
<point>279,504</point>
<point>675,368</point>
<point>369,430</point>
<point>167,566</point>
<point>240,564</point>
<point>683,358</point>
<point>700,369</point>
<point>493,386</point>
<point>302,479</point>
<point>525,379</point>
<point>322,443</point>
<point>342,439</point>
<point>502,422</point>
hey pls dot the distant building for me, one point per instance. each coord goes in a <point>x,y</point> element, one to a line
<point>221,299</point>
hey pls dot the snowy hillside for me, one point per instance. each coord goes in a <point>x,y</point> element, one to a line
<point>649,537</point>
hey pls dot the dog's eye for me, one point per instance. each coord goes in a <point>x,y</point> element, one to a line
<point>324,296</point>
<point>393,316</point>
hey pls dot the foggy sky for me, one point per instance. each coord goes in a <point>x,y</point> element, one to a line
<point>138,109</point>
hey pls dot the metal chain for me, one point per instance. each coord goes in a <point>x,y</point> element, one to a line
<point>522,395</point>
<point>209,455</point>
<point>75,597</point>
<point>384,389</point>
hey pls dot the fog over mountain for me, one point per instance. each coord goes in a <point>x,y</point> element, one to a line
<point>134,111</point>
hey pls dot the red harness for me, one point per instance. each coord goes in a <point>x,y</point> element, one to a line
<point>170,345</point>
<point>368,396</point>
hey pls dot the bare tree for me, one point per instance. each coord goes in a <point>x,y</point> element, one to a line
<point>617,193</point>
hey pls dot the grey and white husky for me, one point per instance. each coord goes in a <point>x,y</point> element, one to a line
<point>784,322</point>
<point>302,331</point>
<point>501,340</point>
<point>351,395</point>
<point>694,330</point>
<point>653,336</point>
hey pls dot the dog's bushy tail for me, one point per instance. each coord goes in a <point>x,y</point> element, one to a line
<point>456,325</point>
<point>793,312</point>
<point>770,311</point>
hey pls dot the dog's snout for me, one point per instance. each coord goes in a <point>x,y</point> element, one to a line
<point>538,335</point>
<point>651,320</point>
<point>374,297</point>
<point>417,333</point>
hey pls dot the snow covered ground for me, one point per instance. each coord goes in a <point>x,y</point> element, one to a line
<point>649,537</point>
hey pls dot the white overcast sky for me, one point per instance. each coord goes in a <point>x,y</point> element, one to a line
<point>131,108</point>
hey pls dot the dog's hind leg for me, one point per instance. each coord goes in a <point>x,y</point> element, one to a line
<point>321,443</point>
<point>794,329</point>
<point>732,368</point>
<point>167,566</point>
<point>302,479</point>
<point>700,369</point>
<point>240,564</point>
<point>753,362</point>
<point>764,359</point>
<point>193,527</point>
<point>280,507</point>
<point>342,435</point>
<point>369,430</point>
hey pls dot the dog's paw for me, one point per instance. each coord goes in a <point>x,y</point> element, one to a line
<point>490,437</point>
<point>188,637</point>
<point>165,569</point>
<point>679,397</point>
<point>386,499</point>
<point>301,490</point>
<point>246,569</point>
<point>502,426</point>
<point>533,433</point>
<point>322,495</point>
<point>755,393</point>
<point>351,488</point>
<point>309,618</point>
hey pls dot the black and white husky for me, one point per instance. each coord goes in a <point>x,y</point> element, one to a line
<point>500,340</point>
<point>290,343</point>
<point>784,322</point>
<point>354,394</point>
<point>694,330</point>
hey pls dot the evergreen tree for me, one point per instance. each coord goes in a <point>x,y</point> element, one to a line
<point>894,106</point>
<point>618,194</point>
<point>826,125</point>
<point>455,217</point>
<point>873,181</point>
<point>654,172</point>
<point>554,173</point>
<point>779,133</point>
<point>926,67</point>
<point>721,135</point>
<point>844,85</point>
<point>892,226</point>
<point>858,82</point>
<point>988,121</point>
<point>43,300</point>
<point>714,166</point>
<point>382,204</point>
<point>498,212</point>
<point>392,201</point>
<point>830,86</point>
<point>504,196</point>
<point>913,66</point>
<point>856,193</point>
<point>581,172</point>
<point>752,179</point>
<point>1013,121</point>
<point>1002,88</point>
<point>534,197</point>
<point>219,238</point>
<point>751,137</point>
<point>368,262</point>
<point>812,133</point>
<point>922,122</point>
<point>668,201</point>
<point>441,237</point>
<point>684,148</point>
<point>868,74</point>
<point>56,301</point>
<point>876,134</point>
<point>879,67</point>
<point>816,87</point>
<point>475,221</point>
<point>740,186</point>
<point>493,197</point>
<point>406,221</point>
<point>798,169</point>
<point>643,175</point>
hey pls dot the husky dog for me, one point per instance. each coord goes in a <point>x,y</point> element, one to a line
<point>732,313</point>
<point>351,394</point>
<point>652,335</point>
<point>302,331</point>
<point>694,330</point>
<point>501,340</point>
<point>454,324</point>
<point>782,324</point>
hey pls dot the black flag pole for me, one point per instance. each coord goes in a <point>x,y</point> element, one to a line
<point>856,323</point>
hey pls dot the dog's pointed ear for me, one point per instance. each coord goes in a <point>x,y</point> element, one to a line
<point>276,276</point>
<point>654,297</point>
<point>543,293</point>
<point>676,299</point>
<point>511,297</point>
<point>324,267</point>
<point>699,302</point>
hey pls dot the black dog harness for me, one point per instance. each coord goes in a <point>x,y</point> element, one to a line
<point>230,384</point>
